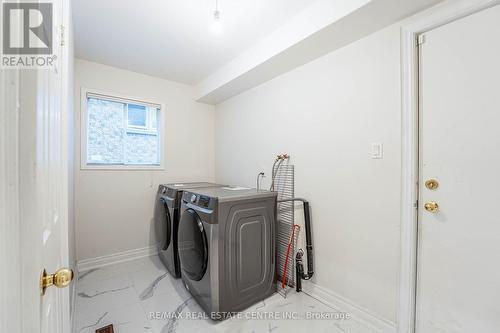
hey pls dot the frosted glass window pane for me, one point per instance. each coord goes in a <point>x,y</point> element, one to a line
<point>104,131</point>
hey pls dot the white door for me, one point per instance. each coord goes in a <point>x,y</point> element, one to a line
<point>458,278</point>
<point>34,194</point>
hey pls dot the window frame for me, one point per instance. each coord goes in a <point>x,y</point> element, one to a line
<point>84,93</point>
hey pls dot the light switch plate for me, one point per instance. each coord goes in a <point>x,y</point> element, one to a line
<point>377,150</point>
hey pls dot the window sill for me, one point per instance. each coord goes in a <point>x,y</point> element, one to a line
<point>116,167</point>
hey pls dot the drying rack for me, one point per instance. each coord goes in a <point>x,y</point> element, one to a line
<point>284,184</point>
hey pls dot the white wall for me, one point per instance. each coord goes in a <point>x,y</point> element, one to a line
<point>326,114</point>
<point>114,209</point>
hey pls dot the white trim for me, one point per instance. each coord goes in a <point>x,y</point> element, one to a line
<point>125,167</point>
<point>409,182</point>
<point>92,93</point>
<point>342,304</point>
<point>122,98</point>
<point>110,259</point>
<point>439,15</point>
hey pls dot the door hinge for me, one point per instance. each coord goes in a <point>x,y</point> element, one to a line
<point>63,36</point>
<point>420,39</point>
<point>415,204</point>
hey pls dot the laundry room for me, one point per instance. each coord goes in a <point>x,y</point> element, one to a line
<point>306,113</point>
<point>249,166</point>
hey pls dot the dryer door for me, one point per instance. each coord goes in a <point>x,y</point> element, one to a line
<point>193,245</point>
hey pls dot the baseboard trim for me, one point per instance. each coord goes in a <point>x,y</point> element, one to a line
<point>115,258</point>
<point>340,303</point>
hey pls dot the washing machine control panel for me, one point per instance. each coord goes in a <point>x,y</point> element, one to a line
<point>199,200</point>
<point>203,201</point>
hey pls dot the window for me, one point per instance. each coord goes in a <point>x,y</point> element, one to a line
<point>141,118</point>
<point>120,132</point>
<point>137,116</point>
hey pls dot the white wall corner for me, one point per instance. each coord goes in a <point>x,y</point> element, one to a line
<point>342,304</point>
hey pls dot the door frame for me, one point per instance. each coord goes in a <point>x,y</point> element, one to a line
<point>437,16</point>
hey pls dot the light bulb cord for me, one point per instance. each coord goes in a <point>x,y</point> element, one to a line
<point>216,12</point>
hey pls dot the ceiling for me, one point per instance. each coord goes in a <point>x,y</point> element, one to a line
<point>173,39</point>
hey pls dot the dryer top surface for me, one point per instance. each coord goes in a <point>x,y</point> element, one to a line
<point>233,193</point>
<point>189,185</point>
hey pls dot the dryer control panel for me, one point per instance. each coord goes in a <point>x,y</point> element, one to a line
<point>199,200</point>
<point>203,201</point>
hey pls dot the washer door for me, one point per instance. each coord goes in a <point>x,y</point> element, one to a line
<point>167,225</point>
<point>193,245</point>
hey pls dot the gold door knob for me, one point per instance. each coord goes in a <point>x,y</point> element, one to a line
<point>432,184</point>
<point>431,206</point>
<point>62,278</point>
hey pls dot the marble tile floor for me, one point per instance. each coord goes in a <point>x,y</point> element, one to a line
<point>140,296</point>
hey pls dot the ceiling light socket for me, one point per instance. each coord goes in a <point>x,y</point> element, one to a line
<point>217,15</point>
